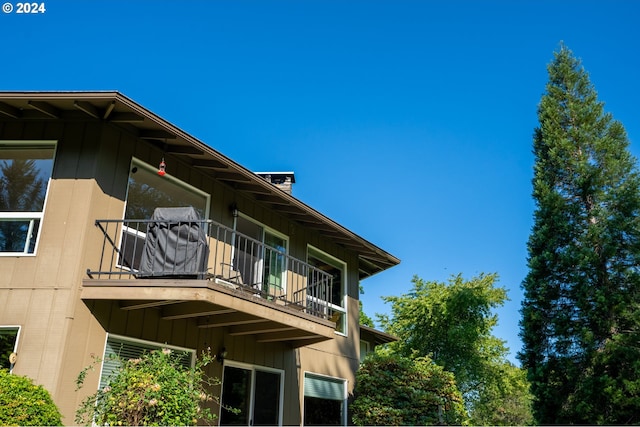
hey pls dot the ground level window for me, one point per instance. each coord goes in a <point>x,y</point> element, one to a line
<point>8,345</point>
<point>128,348</point>
<point>324,401</point>
<point>256,392</point>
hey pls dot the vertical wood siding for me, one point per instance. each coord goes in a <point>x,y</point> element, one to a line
<point>60,333</point>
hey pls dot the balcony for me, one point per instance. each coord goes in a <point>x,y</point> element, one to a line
<point>203,269</point>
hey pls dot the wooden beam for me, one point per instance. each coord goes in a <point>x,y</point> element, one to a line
<point>275,200</point>
<point>87,108</point>
<point>183,149</point>
<point>251,329</point>
<point>290,210</point>
<point>251,189</point>
<point>292,335</point>
<point>193,309</point>
<point>126,118</point>
<point>156,134</point>
<point>45,108</point>
<point>230,176</point>
<point>137,305</point>
<point>229,320</point>
<point>10,111</point>
<point>109,110</point>
<point>209,164</point>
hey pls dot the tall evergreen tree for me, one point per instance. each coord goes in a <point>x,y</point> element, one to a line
<point>580,315</point>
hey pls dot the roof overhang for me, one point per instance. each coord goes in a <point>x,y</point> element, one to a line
<point>377,337</point>
<point>114,108</point>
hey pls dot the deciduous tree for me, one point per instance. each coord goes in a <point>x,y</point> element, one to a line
<point>395,390</point>
<point>452,323</point>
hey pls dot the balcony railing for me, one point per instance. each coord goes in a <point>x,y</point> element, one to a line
<point>206,250</point>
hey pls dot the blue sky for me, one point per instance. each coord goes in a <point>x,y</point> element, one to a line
<point>409,122</point>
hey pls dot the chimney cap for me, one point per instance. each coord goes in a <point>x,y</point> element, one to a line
<point>277,177</point>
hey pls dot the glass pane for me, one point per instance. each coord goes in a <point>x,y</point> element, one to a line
<point>336,297</point>
<point>24,174</point>
<point>18,235</point>
<point>8,338</point>
<point>236,387</point>
<point>148,190</point>
<point>322,412</point>
<point>248,253</point>
<point>266,410</point>
<point>337,291</point>
<point>274,262</point>
<point>131,249</point>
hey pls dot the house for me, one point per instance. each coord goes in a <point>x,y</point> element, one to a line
<point>120,233</point>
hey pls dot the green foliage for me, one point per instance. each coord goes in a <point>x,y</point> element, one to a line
<point>151,390</point>
<point>364,319</point>
<point>452,323</point>
<point>580,325</point>
<point>23,403</point>
<point>394,390</point>
<point>505,400</point>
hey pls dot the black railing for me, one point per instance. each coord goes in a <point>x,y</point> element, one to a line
<point>206,250</point>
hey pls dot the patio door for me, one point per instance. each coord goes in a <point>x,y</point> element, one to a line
<point>256,392</point>
<point>262,259</point>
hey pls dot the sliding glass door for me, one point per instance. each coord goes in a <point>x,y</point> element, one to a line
<point>261,261</point>
<point>256,392</point>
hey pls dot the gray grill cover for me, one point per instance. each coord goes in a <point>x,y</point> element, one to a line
<point>175,246</point>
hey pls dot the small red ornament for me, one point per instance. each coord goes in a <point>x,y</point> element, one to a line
<point>163,166</point>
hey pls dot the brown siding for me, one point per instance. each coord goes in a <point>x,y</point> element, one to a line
<point>41,293</point>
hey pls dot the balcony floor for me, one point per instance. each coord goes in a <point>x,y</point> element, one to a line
<point>214,305</point>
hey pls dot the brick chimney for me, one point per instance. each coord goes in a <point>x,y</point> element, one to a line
<point>282,180</point>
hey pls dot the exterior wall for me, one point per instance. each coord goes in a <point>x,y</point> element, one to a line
<point>60,333</point>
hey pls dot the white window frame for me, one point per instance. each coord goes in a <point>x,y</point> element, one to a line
<point>343,265</point>
<point>265,229</point>
<point>253,368</point>
<point>15,345</point>
<point>32,217</point>
<point>345,384</point>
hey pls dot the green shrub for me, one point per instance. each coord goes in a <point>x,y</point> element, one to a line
<point>154,389</point>
<point>394,390</point>
<point>24,403</point>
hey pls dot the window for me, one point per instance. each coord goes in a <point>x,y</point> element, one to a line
<point>8,345</point>
<point>25,171</point>
<point>365,348</point>
<point>337,269</point>
<point>129,348</point>
<point>261,261</point>
<point>324,400</point>
<point>256,391</point>
<point>146,192</point>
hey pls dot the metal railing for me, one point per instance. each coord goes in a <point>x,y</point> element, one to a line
<point>137,249</point>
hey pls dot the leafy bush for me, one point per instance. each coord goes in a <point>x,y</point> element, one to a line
<point>151,390</point>
<point>24,403</point>
<point>395,390</point>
